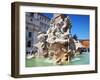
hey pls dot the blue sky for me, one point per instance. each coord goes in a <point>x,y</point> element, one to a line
<point>80,24</point>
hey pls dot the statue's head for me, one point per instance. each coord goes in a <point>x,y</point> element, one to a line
<point>63,16</point>
<point>42,36</point>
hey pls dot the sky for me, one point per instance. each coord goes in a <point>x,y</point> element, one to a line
<point>80,24</point>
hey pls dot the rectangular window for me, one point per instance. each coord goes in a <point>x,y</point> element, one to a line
<point>30,34</point>
<point>31,14</point>
<point>31,19</point>
<point>29,43</point>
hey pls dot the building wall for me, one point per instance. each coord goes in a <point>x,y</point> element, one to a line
<point>35,22</point>
<point>85,43</point>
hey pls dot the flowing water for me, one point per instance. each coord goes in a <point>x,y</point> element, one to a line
<point>78,60</point>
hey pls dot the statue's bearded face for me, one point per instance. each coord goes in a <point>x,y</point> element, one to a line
<point>58,25</point>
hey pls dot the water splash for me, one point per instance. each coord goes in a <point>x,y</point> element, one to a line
<point>75,59</point>
<point>48,61</point>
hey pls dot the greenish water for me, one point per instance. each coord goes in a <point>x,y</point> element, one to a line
<point>79,60</point>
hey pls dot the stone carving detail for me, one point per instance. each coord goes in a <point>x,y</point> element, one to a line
<point>57,43</point>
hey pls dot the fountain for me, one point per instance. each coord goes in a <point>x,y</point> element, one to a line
<point>57,44</point>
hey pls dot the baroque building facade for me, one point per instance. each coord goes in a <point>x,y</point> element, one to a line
<point>35,23</point>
